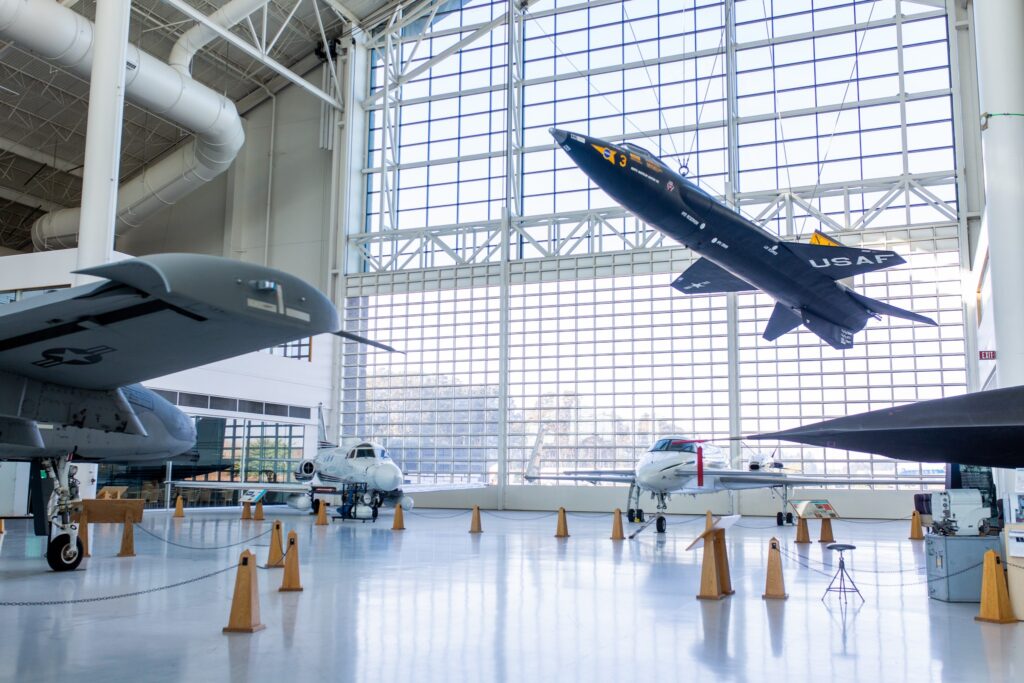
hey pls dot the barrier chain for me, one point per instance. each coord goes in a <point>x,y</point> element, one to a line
<point>75,601</point>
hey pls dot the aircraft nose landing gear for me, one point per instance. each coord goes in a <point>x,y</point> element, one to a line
<point>64,552</point>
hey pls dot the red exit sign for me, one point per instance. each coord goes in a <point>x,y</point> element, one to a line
<point>986,355</point>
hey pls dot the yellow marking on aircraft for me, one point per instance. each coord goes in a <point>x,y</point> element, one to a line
<point>654,166</point>
<point>823,240</point>
<point>635,157</point>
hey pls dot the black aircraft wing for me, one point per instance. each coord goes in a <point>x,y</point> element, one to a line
<point>985,428</point>
<point>838,262</point>
<point>704,277</point>
<point>155,315</point>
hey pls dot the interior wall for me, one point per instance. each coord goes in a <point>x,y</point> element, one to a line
<point>297,173</point>
<point>194,225</point>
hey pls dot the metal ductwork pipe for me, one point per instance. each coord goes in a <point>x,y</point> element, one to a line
<point>64,37</point>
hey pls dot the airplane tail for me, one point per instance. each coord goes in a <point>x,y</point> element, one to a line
<point>837,336</point>
<point>533,468</point>
<point>876,307</point>
<point>783,320</point>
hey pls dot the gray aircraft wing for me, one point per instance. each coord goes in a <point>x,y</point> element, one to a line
<point>983,428</point>
<point>427,488</point>
<point>155,315</point>
<point>274,487</point>
<point>590,476</point>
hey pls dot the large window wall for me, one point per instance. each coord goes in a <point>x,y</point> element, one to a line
<point>806,115</point>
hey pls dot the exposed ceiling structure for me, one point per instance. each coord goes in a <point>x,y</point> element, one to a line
<point>43,108</point>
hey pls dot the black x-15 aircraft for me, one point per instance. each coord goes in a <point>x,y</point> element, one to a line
<point>737,254</point>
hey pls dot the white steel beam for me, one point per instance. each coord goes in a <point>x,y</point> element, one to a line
<point>19,197</point>
<point>103,134</point>
<point>32,154</point>
<point>254,52</point>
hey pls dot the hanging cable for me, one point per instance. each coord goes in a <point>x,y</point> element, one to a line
<point>839,113</point>
<point>654,88</point>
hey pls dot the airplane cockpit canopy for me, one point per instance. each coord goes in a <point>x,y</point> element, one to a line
<point>633,147</point>
<point>368,450</point>
<point>675,445</point>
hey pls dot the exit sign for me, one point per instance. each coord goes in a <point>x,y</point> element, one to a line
<point>987,355</point>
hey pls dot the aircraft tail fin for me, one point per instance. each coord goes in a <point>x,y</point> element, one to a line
<point>838,262</point>
<point>783,320</point>
<point>876,307</point>
<point>837,336</point>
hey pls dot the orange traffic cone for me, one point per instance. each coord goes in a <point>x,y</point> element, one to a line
<point>179,507</point>
<point>321,514</point>
<point>916,534</point>
<point>1,526</point>
<point>562,531</point>
<point>246,510</point>
<point>290,580</point>
<point>245,604</point>
<point>995,599</point>
<point>474,525</point>
<point>617,533</point>
<point>276,557</point>
<point>399,523</point>
<point>259,511</point>
<point>774,585</point>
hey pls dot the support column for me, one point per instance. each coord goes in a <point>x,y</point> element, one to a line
<point>103,133</point>
<point>999,28</point>
<point>999,40</point>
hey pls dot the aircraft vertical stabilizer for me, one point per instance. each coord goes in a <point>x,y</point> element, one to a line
<point>783,320</point>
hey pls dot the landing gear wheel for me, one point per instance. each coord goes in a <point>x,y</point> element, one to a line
<point>315,510</point>
<point>61,556</point>
<point>780,519</point>
<point>640,516</point>
<point>630,515</point>
<point>661,524</point>
<point>375,511</point>
<point>789,518</point>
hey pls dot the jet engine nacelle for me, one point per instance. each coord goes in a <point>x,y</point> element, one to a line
<point>299,501</point>
<point>306,470</point>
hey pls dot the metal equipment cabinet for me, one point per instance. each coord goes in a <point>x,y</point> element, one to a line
<point>949,557</point>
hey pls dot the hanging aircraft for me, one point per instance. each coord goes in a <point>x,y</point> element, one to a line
<point>737,255</point>
<point>360,471</point>
<point>984,428</point>
<point>681,465</point>
<point>71,360</point>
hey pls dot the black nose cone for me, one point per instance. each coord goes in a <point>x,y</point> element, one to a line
<point>560,136</point>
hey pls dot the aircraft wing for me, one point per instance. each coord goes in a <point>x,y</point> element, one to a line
<point>590,476</point>
<point>705,277</point>
<point>273,487</point>
<point>427,488</point>
<point>155,315</point>
<point>739,479</point>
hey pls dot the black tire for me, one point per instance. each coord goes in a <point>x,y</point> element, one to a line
<point>640,515</point>
<point>780,519</point>
<point>630,515</point>
<point>789,518</point>
<point>315,510</point>
<point>661,524</point>
<point>61,557</point>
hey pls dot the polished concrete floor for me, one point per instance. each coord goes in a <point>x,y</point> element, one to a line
<point>513,604</point>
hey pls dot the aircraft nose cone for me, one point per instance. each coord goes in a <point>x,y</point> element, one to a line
<point>386,477</point>
<point>560,136</point>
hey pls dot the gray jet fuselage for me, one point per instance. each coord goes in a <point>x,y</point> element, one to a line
<point>166,431</point>
<point>678,208</point>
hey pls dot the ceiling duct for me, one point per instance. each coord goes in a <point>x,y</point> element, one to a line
<point>64,37</point>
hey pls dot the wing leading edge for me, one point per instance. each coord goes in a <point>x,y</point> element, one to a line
<point>156,315</point>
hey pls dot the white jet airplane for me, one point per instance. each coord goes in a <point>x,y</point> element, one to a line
<point>360,471</point>
<point>682,465</point>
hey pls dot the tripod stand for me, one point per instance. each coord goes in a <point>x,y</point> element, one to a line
<point>845,581</point>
